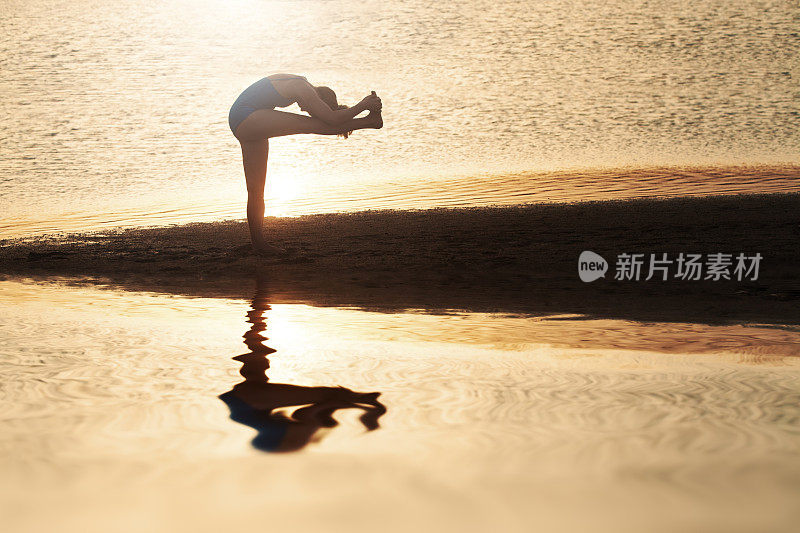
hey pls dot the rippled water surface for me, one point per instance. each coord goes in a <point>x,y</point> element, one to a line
<point>114,112</point>
<point>127,411</point>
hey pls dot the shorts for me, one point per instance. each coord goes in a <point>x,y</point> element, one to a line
<point>237,114</point>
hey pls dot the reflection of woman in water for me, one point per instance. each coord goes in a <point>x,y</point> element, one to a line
<point>254,401</point>
<point>253,120</point>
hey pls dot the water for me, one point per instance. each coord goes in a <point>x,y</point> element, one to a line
<point>110,417</point>
<point>114,113</point>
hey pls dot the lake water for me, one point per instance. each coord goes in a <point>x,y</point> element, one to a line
<point>114,112</point>
<point>112,418</point>
<point>124,411</point>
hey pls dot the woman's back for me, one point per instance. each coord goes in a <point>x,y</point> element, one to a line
<point>262,95</point>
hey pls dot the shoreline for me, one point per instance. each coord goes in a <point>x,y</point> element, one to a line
<point>491,189</point>
<point>517,259</point>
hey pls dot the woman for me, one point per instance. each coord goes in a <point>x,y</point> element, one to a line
<point>253,120</point>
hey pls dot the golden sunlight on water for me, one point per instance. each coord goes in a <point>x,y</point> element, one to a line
<point>114,112</point>
<point>289,198</point>
<point>130,411</point>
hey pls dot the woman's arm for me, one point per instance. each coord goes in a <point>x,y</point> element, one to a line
<point>310,101</point>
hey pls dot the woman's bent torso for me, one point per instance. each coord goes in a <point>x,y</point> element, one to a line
<point>260,95</point>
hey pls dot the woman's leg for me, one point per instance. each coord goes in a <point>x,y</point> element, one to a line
<point>254,133</point>
<point>254,157</point>
<point>265,123</point>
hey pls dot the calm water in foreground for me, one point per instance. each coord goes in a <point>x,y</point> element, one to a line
<point>114,112</point>
<point>111,419</point>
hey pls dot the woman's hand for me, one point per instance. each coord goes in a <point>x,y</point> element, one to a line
<point>371,103</point>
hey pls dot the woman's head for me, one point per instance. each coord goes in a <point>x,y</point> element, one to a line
<point>327,95</point>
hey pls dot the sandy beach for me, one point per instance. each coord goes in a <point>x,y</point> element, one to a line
<point>504,259</point>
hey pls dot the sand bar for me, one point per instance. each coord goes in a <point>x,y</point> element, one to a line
<point>520,259</point>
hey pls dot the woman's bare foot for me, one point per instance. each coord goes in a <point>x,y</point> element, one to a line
<point>377,119</point>
<point>267,250</point>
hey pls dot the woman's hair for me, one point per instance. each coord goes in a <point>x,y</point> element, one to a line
<point>327,95</point>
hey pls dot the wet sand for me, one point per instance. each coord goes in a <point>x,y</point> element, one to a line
<point>498,259</point>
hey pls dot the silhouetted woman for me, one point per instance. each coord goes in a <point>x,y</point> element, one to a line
<point>253,120</point>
